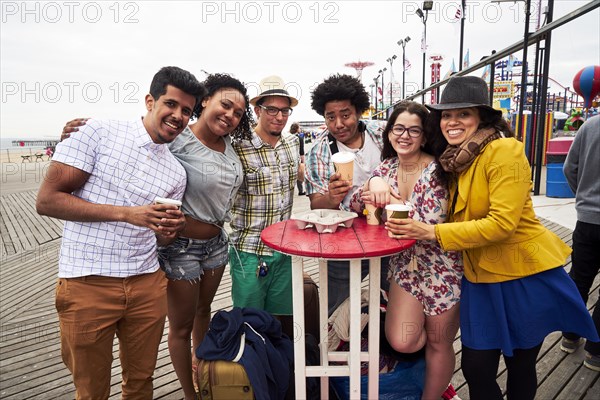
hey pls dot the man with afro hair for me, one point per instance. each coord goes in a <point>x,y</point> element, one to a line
<point>341,99</point>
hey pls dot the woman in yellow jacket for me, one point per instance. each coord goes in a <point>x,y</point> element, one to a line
<point>514,290</point>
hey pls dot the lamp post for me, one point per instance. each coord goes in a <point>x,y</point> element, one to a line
<point>524,69</point>
<point>391,61</point>
<point>402,42</point>
<point>462,33</point>
<point>372,85</point>
<point>376,80</point>
<point>539,142</point>
<point>381,71</point>
<point>523,91</point>
<point>427,6</point>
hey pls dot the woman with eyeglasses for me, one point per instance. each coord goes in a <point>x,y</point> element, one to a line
<point>423,304</point>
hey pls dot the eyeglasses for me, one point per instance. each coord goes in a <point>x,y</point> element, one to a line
<point>413,131</point>
<point>273,111</point>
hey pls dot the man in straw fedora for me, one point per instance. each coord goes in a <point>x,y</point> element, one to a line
<point>261,277</point>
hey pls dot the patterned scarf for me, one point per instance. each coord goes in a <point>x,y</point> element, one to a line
<point>456,159</point>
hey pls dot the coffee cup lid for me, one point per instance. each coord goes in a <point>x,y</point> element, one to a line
<point>162,200</point>
<point>343,157</point>
<point>398,207</point>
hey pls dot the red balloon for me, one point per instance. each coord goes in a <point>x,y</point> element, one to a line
<point>587,83</point>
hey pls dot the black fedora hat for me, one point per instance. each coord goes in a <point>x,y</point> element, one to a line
<point>464,92</point>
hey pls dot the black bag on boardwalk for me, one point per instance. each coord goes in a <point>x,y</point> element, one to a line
<point>311,307</point>
<point>222,380</point>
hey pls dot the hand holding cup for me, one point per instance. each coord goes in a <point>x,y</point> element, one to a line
<point>343,162</point>
<point>399,211</point>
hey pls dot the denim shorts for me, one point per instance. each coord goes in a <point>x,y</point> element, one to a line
<point>187,259</point>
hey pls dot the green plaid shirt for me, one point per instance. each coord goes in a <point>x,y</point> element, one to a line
<point>267,193</point>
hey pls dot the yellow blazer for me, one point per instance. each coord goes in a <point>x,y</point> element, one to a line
<point>494,223</point>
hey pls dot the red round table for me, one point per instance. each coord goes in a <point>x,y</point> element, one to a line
<point>360,241</point>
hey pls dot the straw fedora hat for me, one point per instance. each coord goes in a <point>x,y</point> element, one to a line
<point>464,92</point>
<point>273,86</point>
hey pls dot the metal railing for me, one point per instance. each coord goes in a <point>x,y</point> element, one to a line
<point>542,34</point>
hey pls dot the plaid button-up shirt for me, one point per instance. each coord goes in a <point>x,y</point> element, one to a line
<point>267,192</point>
<point>319,166</point>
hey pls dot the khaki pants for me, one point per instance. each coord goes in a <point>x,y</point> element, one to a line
<point>91,311</point>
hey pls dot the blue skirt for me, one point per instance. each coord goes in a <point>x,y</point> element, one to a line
<point>520,313</point>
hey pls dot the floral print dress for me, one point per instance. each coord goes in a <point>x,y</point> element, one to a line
<point>435,281</point>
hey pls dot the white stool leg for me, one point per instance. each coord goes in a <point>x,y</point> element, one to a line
<point>299,328</point>
<point>323,319</point>
<point>354,355</point>
<point>374,317</point>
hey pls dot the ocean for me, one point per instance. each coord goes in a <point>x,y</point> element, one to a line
<point>6,143</point>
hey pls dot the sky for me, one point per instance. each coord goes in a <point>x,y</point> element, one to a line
<point>65,59</point>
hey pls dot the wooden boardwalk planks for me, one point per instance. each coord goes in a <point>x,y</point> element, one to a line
<point>21,228</point>
<point>30,362</point>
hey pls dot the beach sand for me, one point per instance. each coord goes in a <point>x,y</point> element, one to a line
<point>18,175</point>
<point>14,154</point>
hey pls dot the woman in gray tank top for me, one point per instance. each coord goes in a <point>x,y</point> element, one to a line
<point>195,261</point>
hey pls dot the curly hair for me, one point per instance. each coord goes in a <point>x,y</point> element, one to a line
<point>216,82</point>
<point>337,88</point>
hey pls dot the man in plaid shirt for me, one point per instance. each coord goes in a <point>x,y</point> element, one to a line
<point>342,99</point>
<point>261,278</point>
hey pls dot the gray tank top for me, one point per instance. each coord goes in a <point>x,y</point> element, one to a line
<point>213,178</point>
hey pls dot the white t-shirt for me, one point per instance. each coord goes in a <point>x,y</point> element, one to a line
<point>367,158</point>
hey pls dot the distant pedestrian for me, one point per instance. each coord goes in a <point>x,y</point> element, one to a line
<point>295,130</point>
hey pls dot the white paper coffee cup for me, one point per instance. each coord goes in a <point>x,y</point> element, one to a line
<point>373,214</point>
<point>344,164</point>
<point>162,200</point>
<point>397,210</point>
